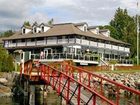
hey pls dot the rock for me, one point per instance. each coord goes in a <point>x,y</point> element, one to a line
<point>3,80</point>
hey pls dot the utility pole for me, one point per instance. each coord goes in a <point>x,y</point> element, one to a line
<point>137,34</point>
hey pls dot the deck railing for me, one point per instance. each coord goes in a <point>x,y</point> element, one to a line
<point>53,56</point>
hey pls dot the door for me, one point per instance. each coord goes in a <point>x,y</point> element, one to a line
<point>48,52</point>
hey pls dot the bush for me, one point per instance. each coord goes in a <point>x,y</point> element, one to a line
<point>6,61</point>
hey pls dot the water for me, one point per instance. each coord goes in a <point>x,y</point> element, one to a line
<point>51,99</point>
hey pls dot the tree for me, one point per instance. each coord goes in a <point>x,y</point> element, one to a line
<point>50,22</point>
<point>125,27</point>
<point>6,61</point>
<point>7,33</point>
<point>27,23</point>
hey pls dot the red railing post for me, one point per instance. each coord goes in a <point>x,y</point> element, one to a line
<point>118,95</point>
<point>48,74</point>
<point>68,90</point>
<point>94,99</point>
<point>44,72</point>
<point>79,93</point>
<point>79,75</point>
<point>101,87</point>
<point>53,75</point>
<point>89,75</point>
<point>41,70</point>
<point>59,88</point>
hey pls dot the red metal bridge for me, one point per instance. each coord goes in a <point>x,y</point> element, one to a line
<point>80,87</point>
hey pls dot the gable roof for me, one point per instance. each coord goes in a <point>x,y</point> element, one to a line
<point>63,29</point>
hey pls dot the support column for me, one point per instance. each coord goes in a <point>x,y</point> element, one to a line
<point>32,95</point>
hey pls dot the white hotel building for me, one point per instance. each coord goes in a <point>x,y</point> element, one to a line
<point>78,42</point>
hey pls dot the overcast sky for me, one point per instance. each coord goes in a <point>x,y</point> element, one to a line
<point>95,12</point>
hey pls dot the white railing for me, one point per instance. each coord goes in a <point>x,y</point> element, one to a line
<point>57,56</point>
<point>114,47</point>
<point>41,42</point>
<point>12,44</point>
<point>78,41</point>
<point>127,49</point>
<point>71,40</point>
<point>61,41</point>
<point>21,44</point>
<point>121,48</point>
<point>51,42</point>
<point>108,46</point>
<point>101,45</point>
<point>30,43</point>
<point>85,42</point>
<point>92,43</point>
<point>6,45</point>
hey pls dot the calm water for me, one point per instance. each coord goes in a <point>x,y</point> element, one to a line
<point>51,99</point>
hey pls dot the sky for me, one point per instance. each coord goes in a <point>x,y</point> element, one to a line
<point>13,13</point>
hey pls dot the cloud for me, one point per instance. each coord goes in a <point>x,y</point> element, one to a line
<point>96,12</point>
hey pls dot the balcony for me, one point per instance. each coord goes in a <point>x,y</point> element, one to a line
<point>92,43</point>
<point>127,49</point>
<point>101,45</point>
<point>108,46</point>
<point>51,42</point>
<point>30,43</point>
<point>21,44</point>
<point>62,41</point>
<point>67,56</point>
<point>78,41</point>
<point>85,42</point>
<point>121,48</point>
<point>72,40</point>
<point>12,44</point>
<point>114,47</point>
<point>41,42</point>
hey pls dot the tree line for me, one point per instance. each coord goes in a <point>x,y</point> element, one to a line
<point>124,27</point>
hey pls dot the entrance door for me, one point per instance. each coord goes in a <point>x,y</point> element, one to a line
<point>48,52</point>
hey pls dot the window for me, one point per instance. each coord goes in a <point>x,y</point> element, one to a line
<point>13,41</point>
<point>32,40</point>
<point>85,28</point>
<point>23,30</point>
<point>23,40</point>
<point>34,30</point>
<point>40,38</point>
<point>42,28</point>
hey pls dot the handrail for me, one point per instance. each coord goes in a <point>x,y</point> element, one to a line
<point>89,89</point>
<point>108,80</point>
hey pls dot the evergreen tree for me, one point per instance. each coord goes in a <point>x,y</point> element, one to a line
<point>125,27</point>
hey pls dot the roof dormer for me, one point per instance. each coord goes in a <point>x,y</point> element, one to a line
<point>105,32</point>
<point>82,26</point>
<point>94,29</point>
<point>26,29</point>
<point>44,27</point>
<point>36,28</point>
